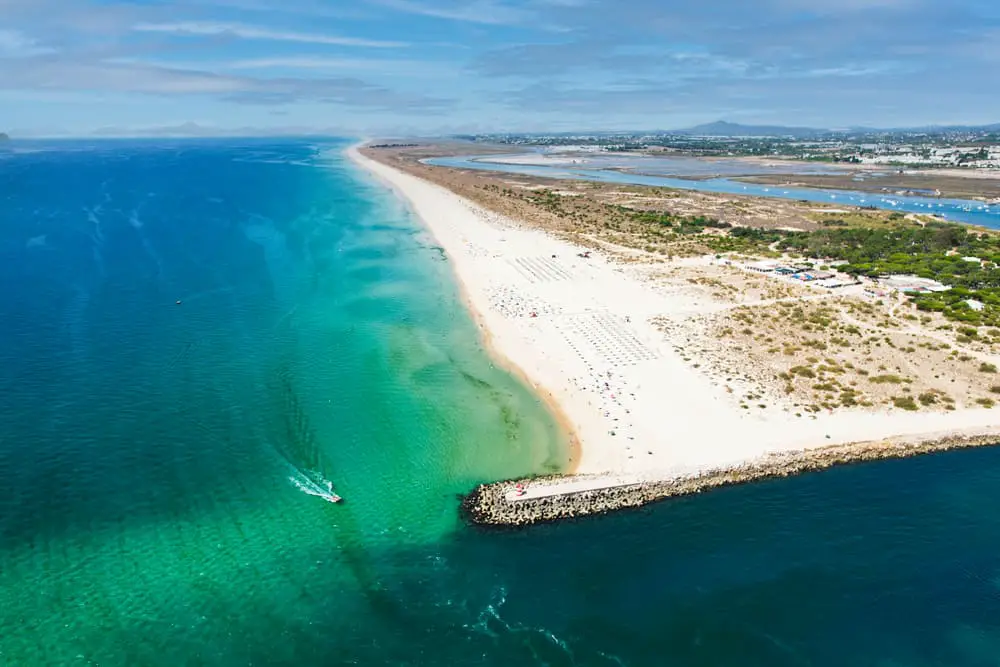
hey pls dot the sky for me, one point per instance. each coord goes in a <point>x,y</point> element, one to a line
<point>380,67</point>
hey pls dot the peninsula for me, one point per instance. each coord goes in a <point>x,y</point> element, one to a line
<point>693,340</point>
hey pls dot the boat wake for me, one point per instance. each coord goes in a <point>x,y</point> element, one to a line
<point>298,445</point>
<point>539,645</point>
<point>314,484</point>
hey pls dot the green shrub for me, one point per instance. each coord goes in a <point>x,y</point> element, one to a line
<point>905,403</point>
<point>927,398</point>
<point>886,379</point>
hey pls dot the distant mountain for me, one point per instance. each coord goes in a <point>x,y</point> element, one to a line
<point>723,128</point>
<point>4,137</point>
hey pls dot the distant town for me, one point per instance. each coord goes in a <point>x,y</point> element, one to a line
<point>966,147</point>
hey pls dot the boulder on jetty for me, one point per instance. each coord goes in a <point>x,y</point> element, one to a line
<point>496,504</point>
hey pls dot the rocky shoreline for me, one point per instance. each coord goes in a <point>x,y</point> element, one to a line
<point>488,505</point>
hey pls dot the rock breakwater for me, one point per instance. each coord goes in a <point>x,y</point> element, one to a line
<point>497,504</point>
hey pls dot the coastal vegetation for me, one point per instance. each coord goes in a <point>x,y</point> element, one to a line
<point>934,250</point>
<point>834,354</point>
<point>862,243</point>
<point>965,259</point>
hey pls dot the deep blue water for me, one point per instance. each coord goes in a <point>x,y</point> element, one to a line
<point>957,210</point>
<point>163,464</point>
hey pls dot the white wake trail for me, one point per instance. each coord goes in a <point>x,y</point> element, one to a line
<point>313,484</point>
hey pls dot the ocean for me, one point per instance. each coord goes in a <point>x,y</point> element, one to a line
<point>199,338</point>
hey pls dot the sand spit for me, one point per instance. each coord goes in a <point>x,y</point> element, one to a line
<point>502,504</point>
<point>648,406</point>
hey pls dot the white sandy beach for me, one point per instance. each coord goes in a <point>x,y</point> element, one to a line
<point>640,411</point>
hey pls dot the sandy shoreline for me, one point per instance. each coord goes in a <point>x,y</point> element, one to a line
<point>641,411</point>
<point>477,310</point>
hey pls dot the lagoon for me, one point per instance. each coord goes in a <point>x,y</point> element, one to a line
<point>957,210</point>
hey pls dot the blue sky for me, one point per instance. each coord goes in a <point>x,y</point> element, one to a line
<point>429,66</point>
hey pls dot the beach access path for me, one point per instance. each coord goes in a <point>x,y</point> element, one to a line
<point>580,329</point>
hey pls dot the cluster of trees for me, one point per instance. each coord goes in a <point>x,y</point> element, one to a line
<point>762,236</point>
<point>982,154</point>
<point>685,224</point>
<point>737,239</point>
<point>963,258</point>
<point>935,251</point>
<point>954,304</point>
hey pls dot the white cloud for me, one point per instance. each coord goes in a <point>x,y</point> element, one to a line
<point>310,63</point>
<point>313,8</point>
<point>488,12</point>
<point>851,70</point>
<point>101,77</point>
<point>14,44</point>
<point>213,28</point>
<point>841,6</point>
<point>409,68</point>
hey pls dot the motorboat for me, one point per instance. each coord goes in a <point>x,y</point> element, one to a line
<point>331,496</point>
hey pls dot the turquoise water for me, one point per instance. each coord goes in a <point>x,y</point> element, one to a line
<point>162,466</point>
<point>957,210</point>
